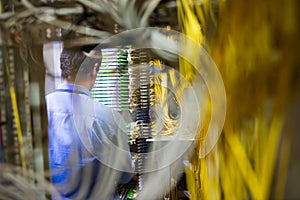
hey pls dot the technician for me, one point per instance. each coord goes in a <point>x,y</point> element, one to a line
<point>88,145</point>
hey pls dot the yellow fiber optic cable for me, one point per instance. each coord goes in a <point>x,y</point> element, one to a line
<point>16,113</point>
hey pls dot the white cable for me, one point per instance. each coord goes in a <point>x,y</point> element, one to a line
<point>27,4</point>
<point>13,18</point>
<point>78,29</point>
<point>47,15</point>
<point>148,9</point>
<point>97,7</point>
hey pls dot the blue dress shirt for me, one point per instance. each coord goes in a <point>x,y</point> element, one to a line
<point>88,145</point>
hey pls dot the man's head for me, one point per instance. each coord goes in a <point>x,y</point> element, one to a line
<point>80,66</point>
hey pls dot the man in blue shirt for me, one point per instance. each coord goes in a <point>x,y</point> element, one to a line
<point>88,145</point>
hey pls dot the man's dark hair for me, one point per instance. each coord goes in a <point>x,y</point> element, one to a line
<point>76,61</point>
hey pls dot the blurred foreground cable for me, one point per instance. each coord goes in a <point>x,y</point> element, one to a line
<point>255,50</point>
